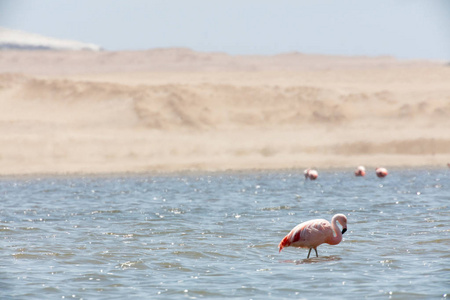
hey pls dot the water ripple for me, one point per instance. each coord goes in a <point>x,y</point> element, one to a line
<point>216,236</point>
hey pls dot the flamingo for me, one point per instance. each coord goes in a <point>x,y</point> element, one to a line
<point>381,172</point>
<point>306,172</point>
<point>311,234</point>
<point>311,174</point>
<point>360,171</point>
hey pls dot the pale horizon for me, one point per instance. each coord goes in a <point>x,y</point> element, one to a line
<point>401,29</point>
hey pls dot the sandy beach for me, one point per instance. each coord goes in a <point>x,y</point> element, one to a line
<point>176,110</point>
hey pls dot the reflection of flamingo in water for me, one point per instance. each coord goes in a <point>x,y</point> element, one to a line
<point>311,234</point>
<point>311,174</point>
<point>381,172</point>
<point>360,171</point>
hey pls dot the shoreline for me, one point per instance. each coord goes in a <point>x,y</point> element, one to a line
<point>222,172</point>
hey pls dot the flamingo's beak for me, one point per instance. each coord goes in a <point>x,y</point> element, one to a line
<point>344,230</point>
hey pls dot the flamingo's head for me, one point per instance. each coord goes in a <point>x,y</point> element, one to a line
<point>342,219</point>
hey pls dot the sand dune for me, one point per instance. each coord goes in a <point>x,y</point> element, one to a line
<point>183,60</point>
<point>175,109</point>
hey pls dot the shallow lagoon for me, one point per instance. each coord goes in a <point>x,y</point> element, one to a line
<point>215,235</point>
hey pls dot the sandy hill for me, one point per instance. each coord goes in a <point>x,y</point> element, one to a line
<point>177,109</point>
<point>11,39</point>
<point>183,60</point>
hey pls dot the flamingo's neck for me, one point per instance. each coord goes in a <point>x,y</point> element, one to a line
<point>337,235</point>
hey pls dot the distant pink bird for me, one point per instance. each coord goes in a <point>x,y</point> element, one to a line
<point>311,234</point>
<point>360,171</point>
<point>381,172</point>
<point>311,174</point>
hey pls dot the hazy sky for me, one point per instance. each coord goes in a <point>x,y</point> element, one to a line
<point>402,28</point>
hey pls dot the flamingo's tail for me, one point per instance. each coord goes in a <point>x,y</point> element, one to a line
<point>284,243</point>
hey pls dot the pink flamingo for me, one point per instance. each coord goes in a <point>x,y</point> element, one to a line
<point>381,172</point>
<point>311,234</point>
<point>360,171</point>
<point>311,174</point>
<point>306,172</point>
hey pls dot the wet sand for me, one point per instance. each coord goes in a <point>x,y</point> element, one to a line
<point>176,110</point>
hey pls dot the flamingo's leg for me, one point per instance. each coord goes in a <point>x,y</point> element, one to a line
<point>309,252</point>
<point>317,255</point>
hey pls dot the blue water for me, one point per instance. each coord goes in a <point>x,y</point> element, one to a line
<point>215,235</point>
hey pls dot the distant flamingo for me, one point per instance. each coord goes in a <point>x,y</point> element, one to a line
<point>306,172</point>
<point>311,234</point>
<point>381,172</point>
<point>360,171</point>
<point>311,174</point>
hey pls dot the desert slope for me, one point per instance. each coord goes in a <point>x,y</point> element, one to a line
<point>16,39</point>
<point>176,109</point>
